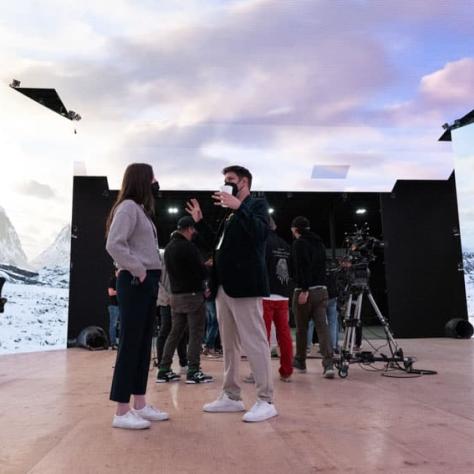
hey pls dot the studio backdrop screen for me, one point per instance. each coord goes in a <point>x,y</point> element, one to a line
<point>35,233</point>
<point>463,146</point>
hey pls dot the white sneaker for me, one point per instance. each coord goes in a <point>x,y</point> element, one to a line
<point>224,404</point>
<point>130,421</point>
<point>151,413</point>
<point>261,411</point>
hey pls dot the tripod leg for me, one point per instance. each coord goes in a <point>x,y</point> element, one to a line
<point>352,321</point>
<point>357,321</point>
<point>347,329</point>
<point>381,318</point>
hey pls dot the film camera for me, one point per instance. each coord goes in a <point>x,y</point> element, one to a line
<point>360,248</point>
<point>2,300</point>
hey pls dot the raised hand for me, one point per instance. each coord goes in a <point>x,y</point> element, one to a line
<point>226,200</point>
<point>194,209</point>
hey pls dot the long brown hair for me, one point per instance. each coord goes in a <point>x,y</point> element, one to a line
<point>136,185</point>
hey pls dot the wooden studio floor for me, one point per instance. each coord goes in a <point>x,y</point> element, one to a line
<point>55,417</point>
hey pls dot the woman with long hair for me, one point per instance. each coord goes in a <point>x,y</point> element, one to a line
<point>132,241</point>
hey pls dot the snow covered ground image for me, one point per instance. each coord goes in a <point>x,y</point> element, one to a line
<point>37,292</point>
<point>468,265</point>
<point>35,318</point>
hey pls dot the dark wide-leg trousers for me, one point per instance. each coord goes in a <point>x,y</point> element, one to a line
<point>165,329</point>
<point>315,309</point>
<point>137,305</point>
<point>186,308</point>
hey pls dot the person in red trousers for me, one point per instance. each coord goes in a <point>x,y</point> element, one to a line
<point>275,306</point>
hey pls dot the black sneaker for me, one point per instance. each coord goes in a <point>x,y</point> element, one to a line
<point>168,376</point>
<point>198,377</point>
<point>329,372</point>
<point>299,366</point>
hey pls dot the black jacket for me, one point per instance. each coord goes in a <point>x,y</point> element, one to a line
<point>308,257</point>
<point>277,256</point>
<point>239,260</point>
<point>184,264</point>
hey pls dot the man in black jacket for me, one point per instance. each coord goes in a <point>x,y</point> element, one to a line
<point>239,276</point>
<point>310,298</point>
<point>187,272</point>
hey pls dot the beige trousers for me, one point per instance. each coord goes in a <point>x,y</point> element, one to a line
<point>241,324</point>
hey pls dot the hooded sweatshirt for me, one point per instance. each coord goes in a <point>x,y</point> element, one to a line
<point>308,259</point>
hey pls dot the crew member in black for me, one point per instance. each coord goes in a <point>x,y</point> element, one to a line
<point>187,273</point>
<point>310,297</point>
<point>114,312</point>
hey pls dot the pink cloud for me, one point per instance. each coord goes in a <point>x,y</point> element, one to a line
<point>453,84</point>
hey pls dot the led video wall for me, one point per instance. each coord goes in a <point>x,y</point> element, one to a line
<point>35,232</point>
<point>463,146</point>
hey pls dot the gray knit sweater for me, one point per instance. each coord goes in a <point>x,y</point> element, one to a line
<point>132,241</point>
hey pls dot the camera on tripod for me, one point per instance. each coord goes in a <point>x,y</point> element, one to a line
<point>360,248</point>
<point>354,274</point>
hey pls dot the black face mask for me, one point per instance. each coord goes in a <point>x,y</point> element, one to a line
<point>234,187</point>
<point>155,189</point>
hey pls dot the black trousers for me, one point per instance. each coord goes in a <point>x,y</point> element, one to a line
<point>165,328</point>
<point>137,305</point>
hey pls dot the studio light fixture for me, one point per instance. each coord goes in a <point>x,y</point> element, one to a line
<point>173,210</point>
<point>46,97</point>
<point>466,120</point>
<point>361,211</point>
<point>271,210</point>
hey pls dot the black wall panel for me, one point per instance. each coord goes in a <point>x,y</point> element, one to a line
<point>419,265</point>
<point>422,254</point>
<point>91,267</point>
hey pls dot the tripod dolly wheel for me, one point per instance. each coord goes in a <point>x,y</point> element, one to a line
<point>343,372</point>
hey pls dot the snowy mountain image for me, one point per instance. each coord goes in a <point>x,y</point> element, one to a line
<point>11,251</point>
<point>57,254</point>
<point>53,263</point>
<point>35,317</point>
<point>468,265</point>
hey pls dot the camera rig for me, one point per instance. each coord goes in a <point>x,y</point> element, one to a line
<point>353,277</point>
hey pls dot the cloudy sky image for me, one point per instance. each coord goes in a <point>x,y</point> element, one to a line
<point>289,88</point>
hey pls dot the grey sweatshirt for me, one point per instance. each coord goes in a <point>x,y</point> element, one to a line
<point>132,241</point>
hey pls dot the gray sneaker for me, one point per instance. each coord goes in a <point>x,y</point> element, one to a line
<point>167,376</point>
<point>199,377</point>
<point>329,372</point>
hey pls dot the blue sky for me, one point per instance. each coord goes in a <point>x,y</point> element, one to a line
<point>192,86</point>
